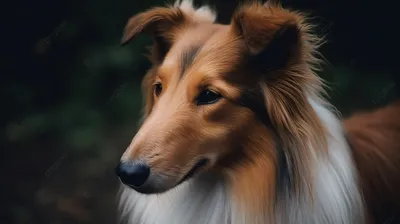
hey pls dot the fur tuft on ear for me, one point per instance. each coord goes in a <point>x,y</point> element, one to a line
<point>277,35</point>
<point>259,25</point>
<point>156,20</point>
<point>161,23</point>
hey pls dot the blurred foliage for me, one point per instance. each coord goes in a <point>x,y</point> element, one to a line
<point>71,95</point>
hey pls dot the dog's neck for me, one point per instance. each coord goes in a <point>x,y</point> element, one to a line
<point>202,199</point>
<point>209,198</point>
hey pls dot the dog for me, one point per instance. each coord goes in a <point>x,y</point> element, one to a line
<point>236,128</point>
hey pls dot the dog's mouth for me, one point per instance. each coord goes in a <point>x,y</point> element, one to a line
<point>200,164</point>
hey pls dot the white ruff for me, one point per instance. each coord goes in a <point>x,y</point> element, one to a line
<point>338,199</point>
<point>197,201</point>
<point>206,199</point>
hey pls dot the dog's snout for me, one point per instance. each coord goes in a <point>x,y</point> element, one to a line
<point>132,173</point>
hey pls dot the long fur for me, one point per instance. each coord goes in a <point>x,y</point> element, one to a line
<point>330,180</point>
<point>205,199</point>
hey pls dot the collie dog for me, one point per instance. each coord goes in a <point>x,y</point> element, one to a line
<point>236,129</point>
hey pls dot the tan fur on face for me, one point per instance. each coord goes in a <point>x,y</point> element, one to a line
<point>163,140</point>
<point>226,58</point>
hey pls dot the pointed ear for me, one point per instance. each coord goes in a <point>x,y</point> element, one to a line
<point>270,33</point>
<point>161,23</point>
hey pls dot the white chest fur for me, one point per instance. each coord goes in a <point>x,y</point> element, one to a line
<point>198,201</point>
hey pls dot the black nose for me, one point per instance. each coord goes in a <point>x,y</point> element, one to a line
<point>133,174</point>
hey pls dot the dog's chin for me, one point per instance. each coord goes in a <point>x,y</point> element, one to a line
<point>157,188</point>
<point>148,190</point>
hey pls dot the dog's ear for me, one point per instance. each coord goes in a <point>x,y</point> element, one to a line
<point>161,23</point>
<point>281,49</point>
<point>270,33</point>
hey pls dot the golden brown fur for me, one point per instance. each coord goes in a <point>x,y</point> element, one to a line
<point>263,136</point>
<point>375,137</point>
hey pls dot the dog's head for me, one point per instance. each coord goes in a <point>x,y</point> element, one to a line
<point>219,96</point>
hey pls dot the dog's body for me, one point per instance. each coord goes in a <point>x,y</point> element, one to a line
<point>287,161</point>
<point>375,139</point>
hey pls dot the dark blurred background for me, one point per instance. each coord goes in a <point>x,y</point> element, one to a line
<point>71,98</point>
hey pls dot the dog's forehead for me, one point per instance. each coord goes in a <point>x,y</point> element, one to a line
<point>189,41</point>
<point>204,47</point>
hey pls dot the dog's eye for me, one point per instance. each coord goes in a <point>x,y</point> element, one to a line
<point>157,89</point>
<point>208,97</point>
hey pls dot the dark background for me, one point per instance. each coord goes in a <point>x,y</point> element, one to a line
<point>71,100</point>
